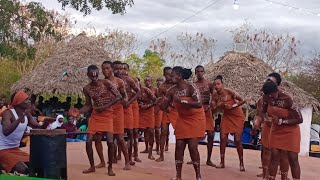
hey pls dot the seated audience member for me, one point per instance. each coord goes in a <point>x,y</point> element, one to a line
<point>315,134</point>
<point>71,129</point>
<point>246,137</point>
<point>58,123</point>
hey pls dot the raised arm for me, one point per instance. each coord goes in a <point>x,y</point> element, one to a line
<point>195,98</point>
<point>88,104</point>
<point>167,100</point>
<point>134,86</point>
<point>7,126</point>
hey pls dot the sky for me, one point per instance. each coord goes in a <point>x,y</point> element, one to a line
<point>147,18</point>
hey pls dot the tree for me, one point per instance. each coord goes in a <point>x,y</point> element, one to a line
<point>8,76</point>
<point>86,6</point>
<point>195,50</point>
<point>117,43</point>
<point>149,65</point>
<point>162,47</point>
<point>22,25</point>
<point>280,51</point>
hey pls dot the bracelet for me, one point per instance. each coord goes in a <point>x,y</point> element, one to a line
<point>184,102</point>
<point>280,121</point>
<point>235,105</point>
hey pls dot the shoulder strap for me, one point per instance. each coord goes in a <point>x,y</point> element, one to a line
<point>14,113</point>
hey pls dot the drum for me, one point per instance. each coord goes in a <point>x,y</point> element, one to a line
<point>48,158</point>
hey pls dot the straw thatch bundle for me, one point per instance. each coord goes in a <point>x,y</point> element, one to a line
<point>245,74</point>
<point>65,71</point>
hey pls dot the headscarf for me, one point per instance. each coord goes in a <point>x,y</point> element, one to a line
<point>18,98</point>
<point>56,124</point>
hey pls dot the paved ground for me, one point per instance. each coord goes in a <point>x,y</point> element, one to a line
<point>77,161</point>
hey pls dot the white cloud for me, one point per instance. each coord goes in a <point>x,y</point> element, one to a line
<point>148,18</point>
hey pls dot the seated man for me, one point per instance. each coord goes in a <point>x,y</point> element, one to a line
<point>13,125</point>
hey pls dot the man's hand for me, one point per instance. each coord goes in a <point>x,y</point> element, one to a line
<point>99,109</point>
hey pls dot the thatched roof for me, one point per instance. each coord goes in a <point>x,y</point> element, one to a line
<point>51,77</point>
<point>245,74</point>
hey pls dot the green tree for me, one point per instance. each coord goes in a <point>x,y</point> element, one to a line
<point>86,6</point>
<point>8,75</point>
<point>22,25</point>
<point>150,64</point>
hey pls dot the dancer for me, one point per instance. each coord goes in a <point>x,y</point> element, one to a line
<point>285,131</point>
<point>103,94</point>
<point>131,87</point>
<point>191,117</point>
<point>158,118</point>
<point>169,116</point>
<point>135,110</point>
<point>118,115</point>
<point>146,105</point>
<point>232,119</point>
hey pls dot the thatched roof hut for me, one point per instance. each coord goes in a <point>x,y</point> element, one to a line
<point>245,74</point>
<point>65,71</point>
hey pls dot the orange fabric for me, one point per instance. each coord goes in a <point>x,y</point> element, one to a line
<point>158,118</point>
<point>135,110</point>
<point>170,117</point>
<point>118,119</point>
<point>232,119</point>
<point>101,121</point>
<point>284,137</point>
<point>191,122</point>
<point>209,121</point>
<point>128,120</point>
<point>10,157</point>
<point>19,97</point>
<point>146,118</point>
<point>265,134</point>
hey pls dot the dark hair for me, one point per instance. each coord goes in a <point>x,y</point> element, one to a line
<point>219,77</point>
<point>199,66</point>
<point>183,72</point>
<point>108,62</point>
<point>269,87</point>
<point>117,62</point>
<point>92,68</point>
<point>126,64</point>
<point>167,68</point>
<point>277,76</point>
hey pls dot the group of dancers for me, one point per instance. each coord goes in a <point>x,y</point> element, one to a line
<point>121,105</point>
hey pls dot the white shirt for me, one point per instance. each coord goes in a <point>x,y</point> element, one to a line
<point>13,139</point>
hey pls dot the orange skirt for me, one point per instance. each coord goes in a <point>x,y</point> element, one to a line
<point>170,117</point>
<point>191,122</point>
<point>265,134</point>
<point>128,117</point>
<point>118,119</point>
<point>101,122</point>
<point>232,121</point>
<point>158,118</point>
<point>284,137</point>
<point>209,120</point>
<point>146,118</point>
<point>10,157</point>
<point>135,109</point>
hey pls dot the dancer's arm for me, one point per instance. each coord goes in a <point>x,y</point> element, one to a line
<point>88,105</point>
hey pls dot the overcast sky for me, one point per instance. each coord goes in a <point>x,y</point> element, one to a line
<point>147,18</point>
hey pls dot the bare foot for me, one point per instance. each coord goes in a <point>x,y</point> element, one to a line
<point>151,157</point>
<point>145,151</point>
<point>167,148</point>
<point>132,163</point>
<point>127,167</point>
<point>260,175</point>
<point>209,163</point>
<point>136,159</point>
<point>110,172</point>
<point>160,159</point>
<point>101,165</point>
<point>220,166</point>
<point>90,170</point>
<point>158,152</point>
<point>190,162</point>
<point>242,168</point>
